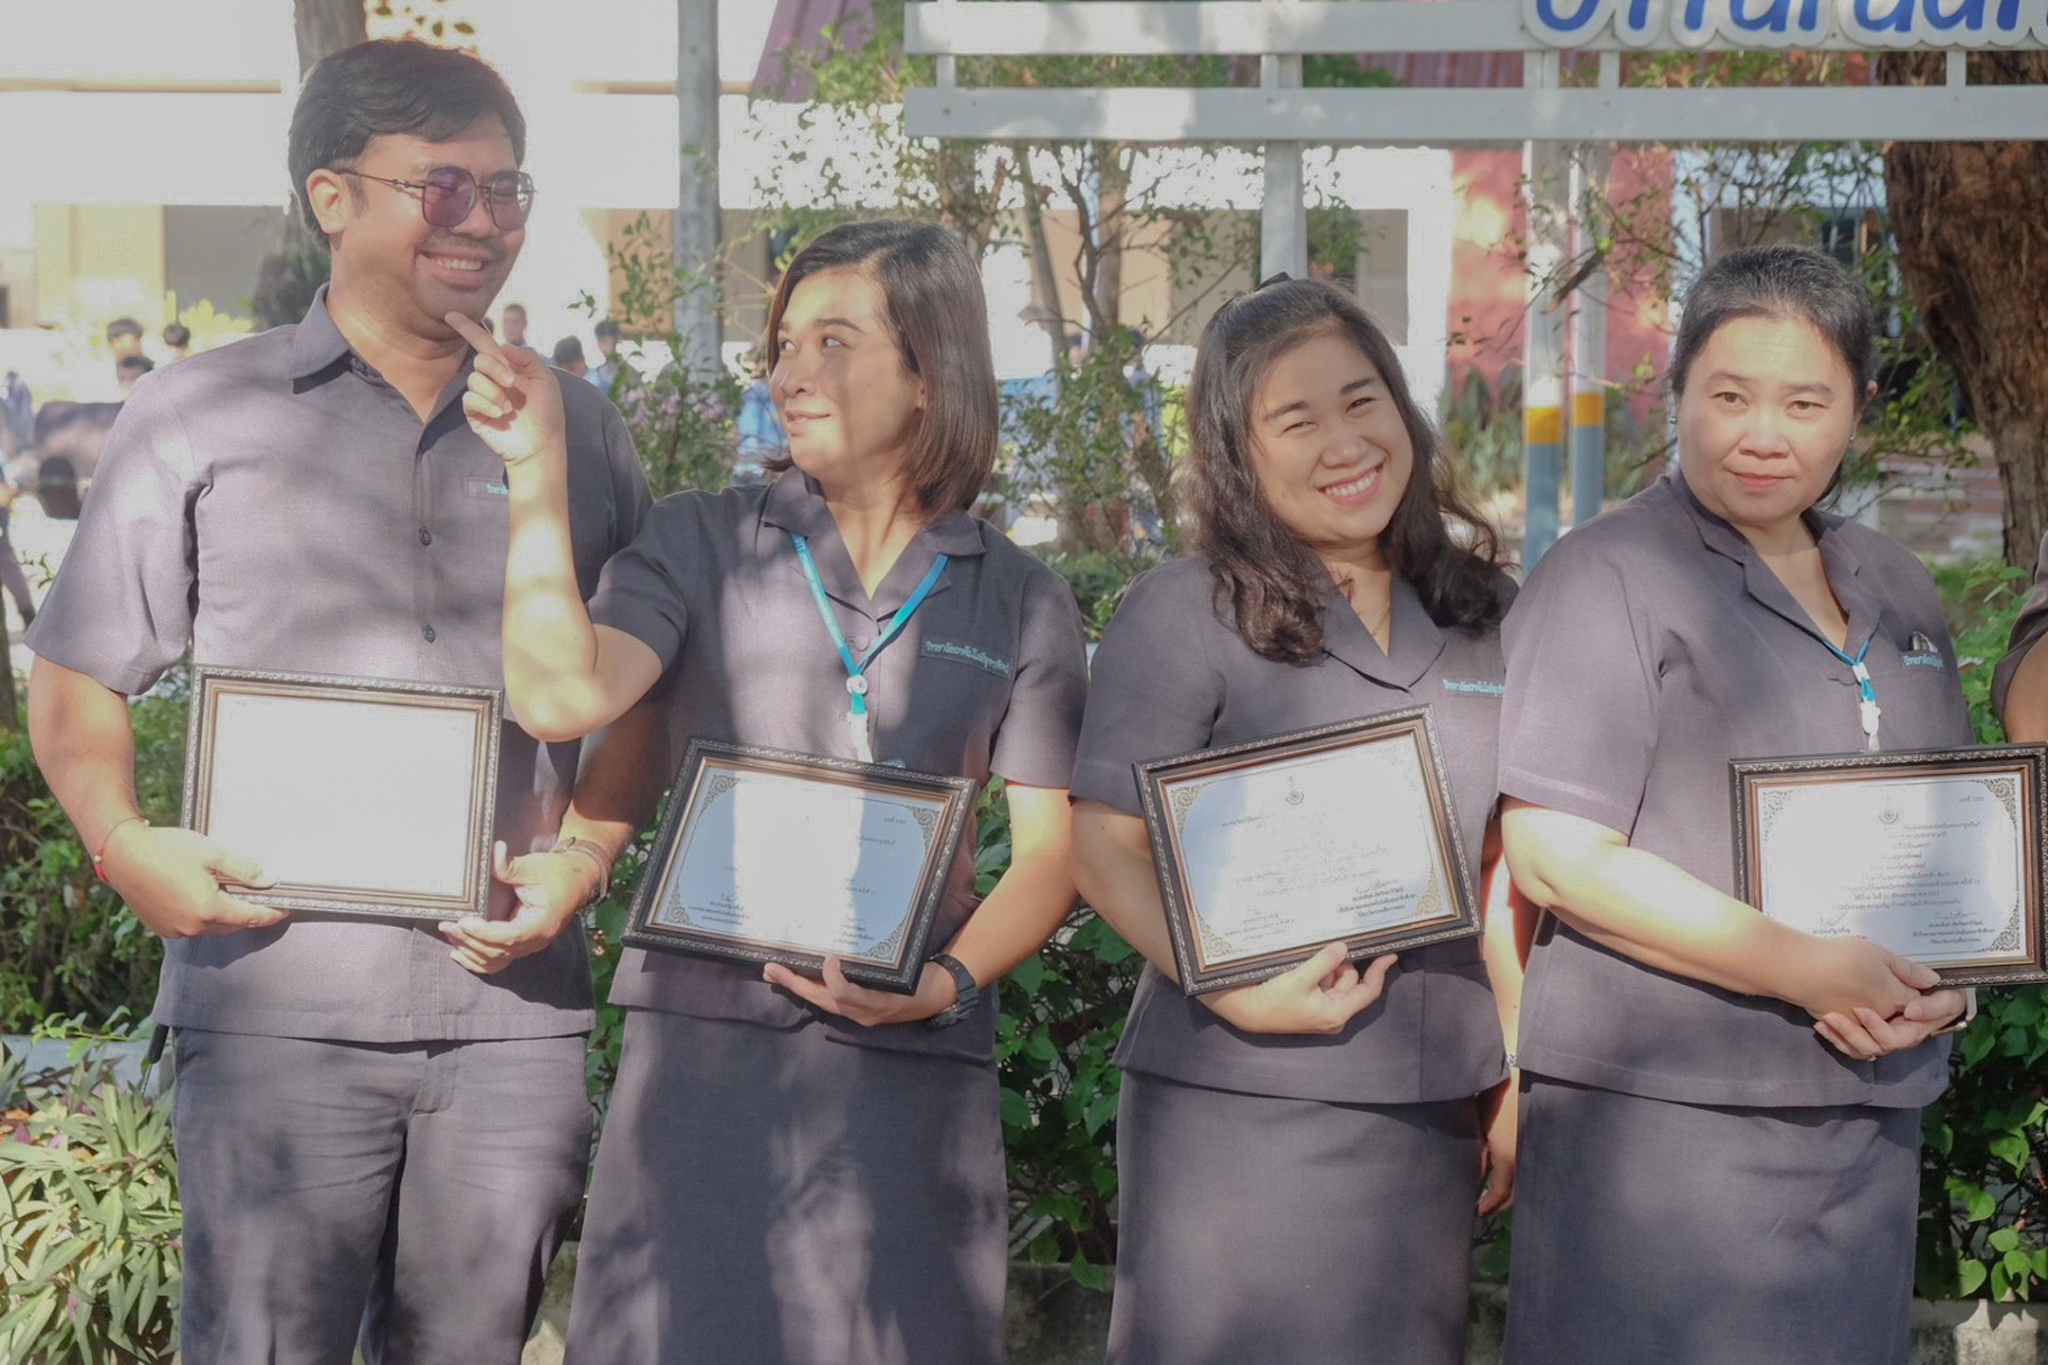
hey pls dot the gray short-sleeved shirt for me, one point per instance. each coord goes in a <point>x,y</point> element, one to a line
<point>2027,630</point>
<point>988,676</point>
<point>282,507</point>
<point>1173,676</point>
<point>1650,648</point>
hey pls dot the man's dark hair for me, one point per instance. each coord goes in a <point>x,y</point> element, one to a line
<point>568,351</point>
<point>392,87</point>
<point>124,327</point>
<point>178,334</point>
<point>607,329</point>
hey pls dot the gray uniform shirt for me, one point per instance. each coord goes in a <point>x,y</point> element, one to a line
<point>2027,630</point>
<point>988,676</point>
<point>1173,676</point>
<point>282,507</point>
<point>1651,647</point>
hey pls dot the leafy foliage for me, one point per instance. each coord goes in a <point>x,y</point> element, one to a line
<point>682,415</point>
<point>1984,1153</point>
<point>73,949</point>
<point>287,280</point>
<point>1063,1012</point>
<point>89,1221</point>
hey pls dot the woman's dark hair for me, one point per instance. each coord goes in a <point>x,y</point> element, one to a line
<point>1276,584</point>
<point>931,296</point>
<point>1798,283</point>
<point>392,87</point>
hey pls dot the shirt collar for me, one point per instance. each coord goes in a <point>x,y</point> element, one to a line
<point>317,343</point>
<point>1838,559</point>
<point>1417,641</point>
<point>795,505</point>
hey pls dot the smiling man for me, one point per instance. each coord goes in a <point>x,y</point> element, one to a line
<point>381,1128</point>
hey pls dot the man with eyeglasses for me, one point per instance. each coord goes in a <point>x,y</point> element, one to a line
<point>381,1125</point>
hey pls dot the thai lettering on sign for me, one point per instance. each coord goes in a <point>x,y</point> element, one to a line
<point>1788,23</point>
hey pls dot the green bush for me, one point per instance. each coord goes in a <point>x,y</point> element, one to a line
<point>73,949</point>
<point>1062,1013</point>
<point>89,1222</point>
<point>1983,1197</point>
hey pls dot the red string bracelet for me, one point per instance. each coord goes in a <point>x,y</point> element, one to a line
<point>100,858</point>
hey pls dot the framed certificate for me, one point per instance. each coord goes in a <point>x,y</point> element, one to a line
<point>1937,854</point>
<point>1268,851</point>
<point>770,856</point>
<point>357,797</point>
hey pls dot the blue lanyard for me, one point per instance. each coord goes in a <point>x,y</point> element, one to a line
<point>856,669</point>
<point>1867,712</point>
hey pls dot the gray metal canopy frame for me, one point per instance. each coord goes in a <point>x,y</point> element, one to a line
<point>1543,114</point>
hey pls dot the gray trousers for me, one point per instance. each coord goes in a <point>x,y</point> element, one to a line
<point>404,1197</point>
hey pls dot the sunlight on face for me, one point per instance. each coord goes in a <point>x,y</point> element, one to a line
<point>1330,450</point>
<point>1767,413</point>
<point>849,404</point>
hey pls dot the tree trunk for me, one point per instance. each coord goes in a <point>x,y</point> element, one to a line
<point>1972,225</point>
<point>8,702</point>
<point>327,26</point>
<point>1112,221</point>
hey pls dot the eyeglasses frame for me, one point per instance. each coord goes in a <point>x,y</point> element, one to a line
<point>479,188</point>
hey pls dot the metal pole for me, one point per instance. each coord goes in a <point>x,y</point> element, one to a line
<point>696,235</point>
<point>1283,215</point>
<point>1589,346</point>
<point>1543,342</point>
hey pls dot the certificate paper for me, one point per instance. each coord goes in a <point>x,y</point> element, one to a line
<point>372,798</point>
<point>1268,851</point>
<point>1934,855</point>
<point>768,856</point>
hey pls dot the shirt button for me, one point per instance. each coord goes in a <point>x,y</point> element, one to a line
<point>860,642</point>
<point>426,536</point>
<point>427,634</point>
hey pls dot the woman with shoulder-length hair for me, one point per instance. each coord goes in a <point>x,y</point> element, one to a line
<point>1300,1160</point>
<point>1722,1113</point>
<point>795,1169</point>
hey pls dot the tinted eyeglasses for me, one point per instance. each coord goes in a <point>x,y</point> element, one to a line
<point>448,194</point>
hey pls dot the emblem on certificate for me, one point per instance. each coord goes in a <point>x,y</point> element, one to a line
<point>1268,851</point>
<point>358,797</point>
<point>770,856</point>
<point>1937,855</point>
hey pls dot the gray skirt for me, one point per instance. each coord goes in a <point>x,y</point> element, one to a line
<point>774,1196</point>
<point>1256,1229</point>
<point>1652,1231</point>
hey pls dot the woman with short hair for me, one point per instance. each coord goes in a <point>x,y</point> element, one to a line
<point>795,1169</point>
<point>1721,1113</point>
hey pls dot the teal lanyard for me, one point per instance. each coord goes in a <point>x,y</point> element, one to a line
<point>858,723</point>
<point>1867,712</point>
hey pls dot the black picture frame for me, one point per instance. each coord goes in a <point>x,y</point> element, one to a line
<point>1754,782</point>
<point>364,821</point>
<point>938,806</point>
<point>1168,787</point>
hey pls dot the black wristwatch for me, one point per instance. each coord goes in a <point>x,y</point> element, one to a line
<point>969,994</point>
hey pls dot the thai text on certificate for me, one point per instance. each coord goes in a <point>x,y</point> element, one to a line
<point>1311,850</point>
<point>1926,866</point>
<point>815,865</point>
